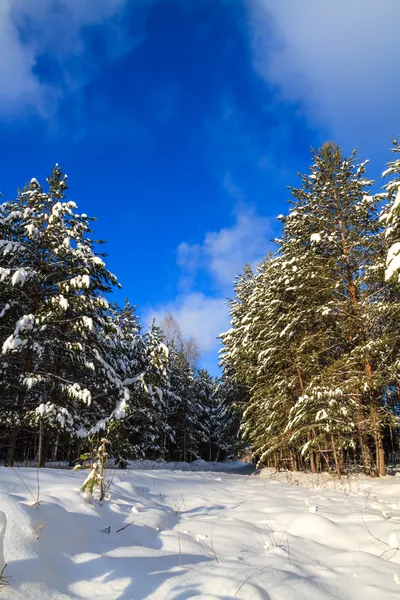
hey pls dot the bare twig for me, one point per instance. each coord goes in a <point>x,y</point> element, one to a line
<point>106,529</point>
<point>4,579</point>
<point>125,526</point>
<point>186,510</point>
<point>212,542</point>
<point>23,482</point>
<point>177,507</point>
<point>250,577</point>
<point>389,549</point>
<point>39,529</point>
<point>210,546</point>
<point>38,485</point>
<point>109,482</point>
<point>370,532</point>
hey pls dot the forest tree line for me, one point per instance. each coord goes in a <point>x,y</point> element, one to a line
<point>311,363</point>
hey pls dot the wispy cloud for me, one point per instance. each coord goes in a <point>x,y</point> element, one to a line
<point>339,60</point>
<point>32,30</point>
<point>221,256</point>
<point>202,316</point>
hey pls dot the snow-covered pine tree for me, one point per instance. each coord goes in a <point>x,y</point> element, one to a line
<point>233,355</point>
<point>157,386</point>
<point>270,372</point>
<point>138,424</point>
<point>228,403</point>
<point>185,412</point>
<point>127,348</point>
<point>53,286</point>
<point>335,214</point>
<point>204,396</point>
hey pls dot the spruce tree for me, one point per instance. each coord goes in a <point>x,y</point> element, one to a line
<point>53,281</point>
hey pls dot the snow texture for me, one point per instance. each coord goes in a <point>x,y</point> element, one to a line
<point>315,237</point>
<point>3,524</point>
<point>178,535</point>
<point>392,261</point>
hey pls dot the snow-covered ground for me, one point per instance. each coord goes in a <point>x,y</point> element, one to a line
<point>174,535</point>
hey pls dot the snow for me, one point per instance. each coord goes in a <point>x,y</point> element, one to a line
<point>396,203</point>
<point>88,322</point>
<point>31,229</point>
<point>3,525</point>
<point>120,410</point>
<point>315,237</point>
<point>177,535</point>
<point>392,261</point>
<point>4,310</point>
<point>19,277</point>
<point>63,302</point>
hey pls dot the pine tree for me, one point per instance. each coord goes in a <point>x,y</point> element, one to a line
<point>184,410</point>
<point>138,424</point>
<point>53,281</point>
<point>204,395</point>
<point>233,355</point>
<point>228,411</point>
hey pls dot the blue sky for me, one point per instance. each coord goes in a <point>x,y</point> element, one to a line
<point>181,122</point>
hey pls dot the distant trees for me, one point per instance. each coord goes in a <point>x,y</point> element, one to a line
<point>199,413</point>
<point>173,335</point>
<point>72,366</point>
<point>314,338</point>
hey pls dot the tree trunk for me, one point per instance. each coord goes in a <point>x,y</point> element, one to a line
<point>392,445</point>
<point>312,455</point>
<point>55,449</point>
<point>380,457</point>
<point>293,460</point>
<point>380,454</point>
<point>366,454</point>
<point>185,453</point>
<point>336,459</point>
<point>40,446</point>
<point>11,446</point>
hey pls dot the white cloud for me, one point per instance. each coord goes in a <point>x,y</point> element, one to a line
<point>199,315</point>
<point>221,255</point>
<point>53,28</point>
<point>18,84</point>
<point>224,253</point>
<point>338,59</point>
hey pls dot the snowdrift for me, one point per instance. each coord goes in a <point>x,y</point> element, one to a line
<point>175,535</point>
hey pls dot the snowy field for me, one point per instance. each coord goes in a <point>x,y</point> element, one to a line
<point>179,534</point>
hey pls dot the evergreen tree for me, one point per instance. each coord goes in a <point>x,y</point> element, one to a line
<point>204,395</point>
<point>53,285</point>
<point>184,411</point>
<point>138,424</point>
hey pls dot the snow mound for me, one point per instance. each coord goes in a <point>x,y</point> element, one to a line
<point>319,529</point>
